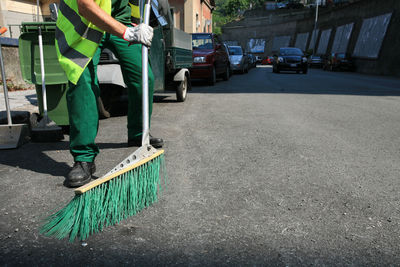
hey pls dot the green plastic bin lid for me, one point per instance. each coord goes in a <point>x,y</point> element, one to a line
<point>29,54</point>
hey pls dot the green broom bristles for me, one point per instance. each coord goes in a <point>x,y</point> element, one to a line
<point>108,203</point>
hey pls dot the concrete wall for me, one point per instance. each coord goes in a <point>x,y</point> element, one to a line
<point>12,68</point>
<point>273,23</point>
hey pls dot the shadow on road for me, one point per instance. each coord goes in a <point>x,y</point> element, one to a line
<point>33,157</point>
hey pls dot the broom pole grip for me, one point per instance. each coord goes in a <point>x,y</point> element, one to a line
<point>145,82</point>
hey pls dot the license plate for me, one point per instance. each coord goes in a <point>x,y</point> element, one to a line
<point>293,65</point>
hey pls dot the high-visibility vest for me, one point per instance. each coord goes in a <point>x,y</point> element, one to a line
<point>77,39</point>
<point>135,11</point>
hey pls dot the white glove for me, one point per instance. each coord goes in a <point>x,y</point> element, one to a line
<point>139,34</point>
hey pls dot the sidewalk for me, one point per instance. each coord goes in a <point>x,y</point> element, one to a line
<point>25,100</point>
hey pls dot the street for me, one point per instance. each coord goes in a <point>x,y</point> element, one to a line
<point>264,169</point>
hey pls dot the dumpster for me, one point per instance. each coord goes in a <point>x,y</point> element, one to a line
<point>56,80</point>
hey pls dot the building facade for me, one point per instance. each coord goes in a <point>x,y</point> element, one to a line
<point>189,15</point>
<point>13,12</point>
<point>193,15</point>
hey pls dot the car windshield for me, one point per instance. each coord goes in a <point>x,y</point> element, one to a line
<point>290,52</point>
<point>235,50</point>
<point>202,41</point>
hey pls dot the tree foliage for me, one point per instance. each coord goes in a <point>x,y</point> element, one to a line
<point>229,10</point>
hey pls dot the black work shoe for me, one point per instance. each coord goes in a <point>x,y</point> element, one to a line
<point>154,141</point>
<point>80,174</point>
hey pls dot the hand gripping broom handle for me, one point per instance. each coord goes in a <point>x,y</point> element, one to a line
<point>145,82</point>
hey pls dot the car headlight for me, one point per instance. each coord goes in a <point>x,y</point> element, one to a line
<point>199,59</point>
<point>280,59</point>
<point>304,59</point>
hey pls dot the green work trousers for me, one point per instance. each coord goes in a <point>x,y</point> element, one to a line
<point>82,98</point>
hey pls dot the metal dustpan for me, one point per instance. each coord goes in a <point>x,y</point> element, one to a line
<point>11,135</point>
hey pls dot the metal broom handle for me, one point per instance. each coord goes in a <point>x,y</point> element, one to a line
<point>145,82</point>
<point>3,74</point>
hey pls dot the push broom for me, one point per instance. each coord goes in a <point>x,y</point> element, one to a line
<point>127,189</point>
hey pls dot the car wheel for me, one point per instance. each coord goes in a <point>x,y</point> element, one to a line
<point>246,70</point>
<point>213,78</point>
<point>227,73</point>
<point>181,90</point>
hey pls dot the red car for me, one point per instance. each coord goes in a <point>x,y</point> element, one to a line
<point>210,58</point>
<point>268,61</point>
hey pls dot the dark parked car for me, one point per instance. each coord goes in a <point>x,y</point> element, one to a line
<point>339,61</point>
<point>210,58</point>
<point>281,5</point>
<point>294,4</point>
<point>315,61</point>
<point>239,60</point>
<point>289,4</point>
<point>291,59</point>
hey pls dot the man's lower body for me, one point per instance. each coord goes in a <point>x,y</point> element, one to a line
<point>83,112</point>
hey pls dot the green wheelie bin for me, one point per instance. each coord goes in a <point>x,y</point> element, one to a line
<point>55,79</point>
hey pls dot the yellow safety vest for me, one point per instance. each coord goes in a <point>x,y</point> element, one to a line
<point>77,39</point>
<point>135,11</point>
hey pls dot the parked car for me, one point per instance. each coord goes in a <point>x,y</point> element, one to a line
<point>268,61</point>
<point>239,60</point>
<point>282,5</point>
<point>225,46</point>
<point>252,60</point>
<point>289,4</point>
<point>210,58</point>
<point>315,61</point>
<point>339,61</point>
<point>290,59</point>
<point>295,4</point>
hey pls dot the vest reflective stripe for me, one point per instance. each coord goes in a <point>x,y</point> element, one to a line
<point>135,11</point>
<point>81,28</point>
<point>76,38</point>
<point>84,46</point>
<point>69,52</point>
<point>74,68</point>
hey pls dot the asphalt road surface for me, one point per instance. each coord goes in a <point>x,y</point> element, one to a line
<point>264,169</point>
